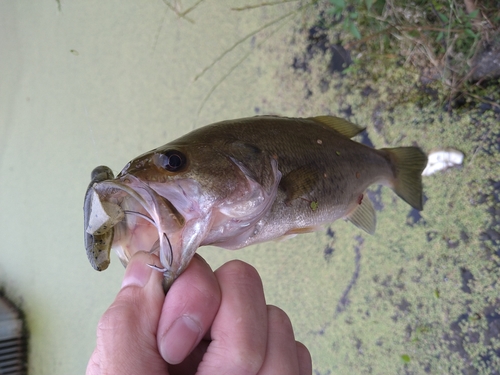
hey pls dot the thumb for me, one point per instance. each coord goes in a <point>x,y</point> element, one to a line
<point>126,333</point>
<point>141,296</point>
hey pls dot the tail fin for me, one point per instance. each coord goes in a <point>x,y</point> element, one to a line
<point>408,162</point>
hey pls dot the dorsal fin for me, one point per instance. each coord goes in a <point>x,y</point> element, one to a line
<point>344,127</point>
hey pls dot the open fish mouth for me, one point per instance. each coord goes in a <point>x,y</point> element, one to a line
<point>127,215</point>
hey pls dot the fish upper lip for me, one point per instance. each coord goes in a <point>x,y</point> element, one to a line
<point>160,213</point>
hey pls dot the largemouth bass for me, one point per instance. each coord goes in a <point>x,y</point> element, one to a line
<point>240,182</point>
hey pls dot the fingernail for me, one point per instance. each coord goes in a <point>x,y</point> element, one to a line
<point>180,339</point>
<point>137,274</point>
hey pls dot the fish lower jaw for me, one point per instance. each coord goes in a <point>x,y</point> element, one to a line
<point>142,235</point>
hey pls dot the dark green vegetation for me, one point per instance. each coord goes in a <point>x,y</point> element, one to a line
<point>449,43</point>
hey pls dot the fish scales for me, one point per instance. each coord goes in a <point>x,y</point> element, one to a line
<point>343,168</point>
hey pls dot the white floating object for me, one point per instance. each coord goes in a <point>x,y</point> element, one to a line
<point>441,160</point>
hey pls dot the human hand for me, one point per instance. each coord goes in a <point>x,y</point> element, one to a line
<point>208,323</point>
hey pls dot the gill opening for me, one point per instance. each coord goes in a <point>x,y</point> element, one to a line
<point>165,254</point>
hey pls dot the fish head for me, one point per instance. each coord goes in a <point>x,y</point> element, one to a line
<point>137,210</point>
<point>169,201</point>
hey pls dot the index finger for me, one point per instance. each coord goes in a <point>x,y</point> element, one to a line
<point>239,331</point>
<point>188,311</point>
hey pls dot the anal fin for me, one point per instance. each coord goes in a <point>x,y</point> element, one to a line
<point>363,216</point>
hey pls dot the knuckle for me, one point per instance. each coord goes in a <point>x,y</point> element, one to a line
<point>118,314</point>
<point>241,272</point>
<point>278,319</point>
<point>305,360</point>
<point>247,361</point>
<point>241,268</point>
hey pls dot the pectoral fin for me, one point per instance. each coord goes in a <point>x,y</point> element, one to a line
<point>363,216</point>
<point>299,182</point>
<point>253,162</point>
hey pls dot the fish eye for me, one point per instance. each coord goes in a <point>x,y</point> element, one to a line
<point>171,160</point>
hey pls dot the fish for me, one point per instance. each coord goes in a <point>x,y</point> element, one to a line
<point>240,182</point>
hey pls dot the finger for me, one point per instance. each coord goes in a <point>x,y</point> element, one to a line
<point>130,323</point>
<point>305,361</point>
<point>281,353</point>
<point>93,367</point>
<point>189,309</point>
<point>239,331</point>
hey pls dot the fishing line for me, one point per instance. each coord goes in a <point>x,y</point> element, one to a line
<point>171,257</point>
